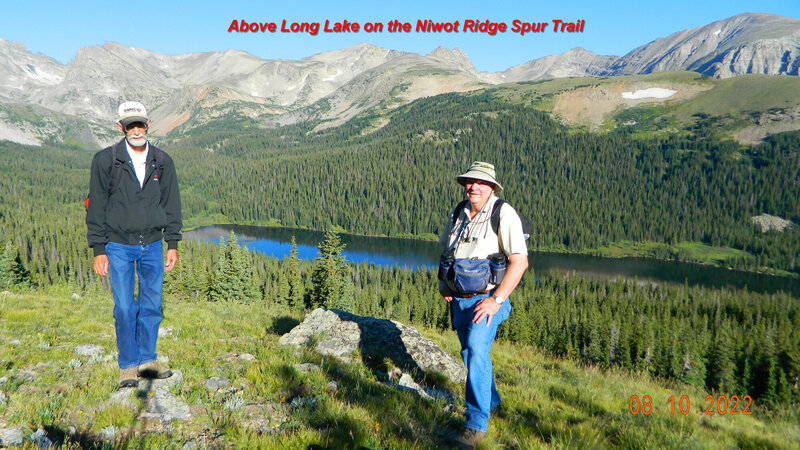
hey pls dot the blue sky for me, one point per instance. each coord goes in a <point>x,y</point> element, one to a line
<point>58,29</point>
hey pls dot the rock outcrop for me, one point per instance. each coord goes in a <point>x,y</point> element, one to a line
<point>770,223</point>
<point>339,334</point>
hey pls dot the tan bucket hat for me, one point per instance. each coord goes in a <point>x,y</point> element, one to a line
<point>480,170</point>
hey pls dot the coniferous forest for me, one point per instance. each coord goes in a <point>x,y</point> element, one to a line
<point>580,190</point>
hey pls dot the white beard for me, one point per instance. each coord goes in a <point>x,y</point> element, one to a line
<point>136,141</point>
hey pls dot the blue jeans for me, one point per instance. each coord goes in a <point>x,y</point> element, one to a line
<point>476,342</point>
<point>136,320</point>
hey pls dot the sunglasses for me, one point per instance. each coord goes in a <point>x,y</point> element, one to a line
<point>134,125</point>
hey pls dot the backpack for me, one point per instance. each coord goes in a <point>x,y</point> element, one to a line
<point>116,169</point>
<point>527,226</point>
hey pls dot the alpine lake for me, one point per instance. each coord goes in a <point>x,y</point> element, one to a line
<point>417,254</point>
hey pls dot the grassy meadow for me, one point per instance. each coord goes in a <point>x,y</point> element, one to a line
<point>270,403</point>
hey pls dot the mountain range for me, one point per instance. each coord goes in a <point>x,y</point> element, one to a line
<point>43,100</point>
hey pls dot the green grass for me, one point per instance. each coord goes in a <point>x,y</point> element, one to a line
<point>687,251</point>
<point>695,252</point>
<point>547,402</point>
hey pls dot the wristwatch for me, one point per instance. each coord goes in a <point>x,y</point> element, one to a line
<point>499,300</point>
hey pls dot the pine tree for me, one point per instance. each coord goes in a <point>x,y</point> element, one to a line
<point>12,271</point>
<point>296,288</point>
<point>332,285</point>
<point>720,366</point>
<point>233,278</point>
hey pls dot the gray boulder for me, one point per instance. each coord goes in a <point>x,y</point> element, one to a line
<point>10,436</point>
<point>340,333</point>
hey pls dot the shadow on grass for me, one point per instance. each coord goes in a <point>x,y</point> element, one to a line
<point>374,415</point>
<point>283,325</point>
<point>397,418</point>
<point>85,439</point>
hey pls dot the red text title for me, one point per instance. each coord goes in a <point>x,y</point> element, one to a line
<point>422,26</point>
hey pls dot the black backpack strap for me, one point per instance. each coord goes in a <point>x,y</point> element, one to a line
<point>495,220</point>
<point>457,211</point>
<point>115,169</point>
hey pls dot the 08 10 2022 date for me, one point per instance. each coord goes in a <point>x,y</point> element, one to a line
<point>713,405</point>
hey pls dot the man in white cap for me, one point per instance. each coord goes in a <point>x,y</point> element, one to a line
<point>481,229</point>
<point>134,203</point>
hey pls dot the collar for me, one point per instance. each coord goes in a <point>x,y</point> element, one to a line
<point>486,207</point>
<point>130,150</point>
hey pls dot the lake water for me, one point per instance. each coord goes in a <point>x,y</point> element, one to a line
<point>414,254</point>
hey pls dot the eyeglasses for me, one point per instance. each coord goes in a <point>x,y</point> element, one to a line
<point>134,125</point>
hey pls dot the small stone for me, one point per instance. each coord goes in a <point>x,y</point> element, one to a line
<point>109,432</point>
<point>346,360</point>
<point>39,437</point>
<point>89,350</point>
<point>406,382</point>
<point>14,343</point>
<point>71,430</point>
<point>10,436</point>
<point>26,376</point>
<point>334,386</point>
<point>165,332</point>
<point>216,383</point>
<point>395,373</point>
<point>306,367</point>
<point>226,356</point>
<point>122,397</point>
<point>189,445</point>
<point>167,407</point>
<point>76,296</point>
<point>246,357</point>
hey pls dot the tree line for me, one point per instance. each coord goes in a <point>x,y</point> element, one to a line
<point>579,189</point>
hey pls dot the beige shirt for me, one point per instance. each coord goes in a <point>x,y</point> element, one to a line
<point>475,238</point>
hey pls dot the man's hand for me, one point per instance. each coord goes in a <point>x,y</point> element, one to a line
<point>172,259</point>
<point>485,308</point>
<point>101,265</point>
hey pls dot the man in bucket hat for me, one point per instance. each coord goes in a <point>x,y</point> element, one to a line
<point>134,203</point>
<point>470,235</point>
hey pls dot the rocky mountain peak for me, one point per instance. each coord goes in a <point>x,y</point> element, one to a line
<point>455,58</point>
<point>742,44</point>
<point>337,85</point>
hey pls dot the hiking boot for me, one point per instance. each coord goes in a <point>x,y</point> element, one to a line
<point>469,439</point>
<point>153,369</point>
<point>128,378</point>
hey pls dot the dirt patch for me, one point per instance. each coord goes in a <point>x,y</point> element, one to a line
<point>591,106</point>
<point>767,124</point>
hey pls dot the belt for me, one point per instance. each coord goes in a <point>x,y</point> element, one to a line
<point>472,295</point>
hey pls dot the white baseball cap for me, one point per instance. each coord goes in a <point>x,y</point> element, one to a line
<point>130,112</point>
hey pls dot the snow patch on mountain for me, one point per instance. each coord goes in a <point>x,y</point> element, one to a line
<point>649,93</point>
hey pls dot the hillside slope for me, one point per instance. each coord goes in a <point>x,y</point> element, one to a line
<point>50,390</point>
